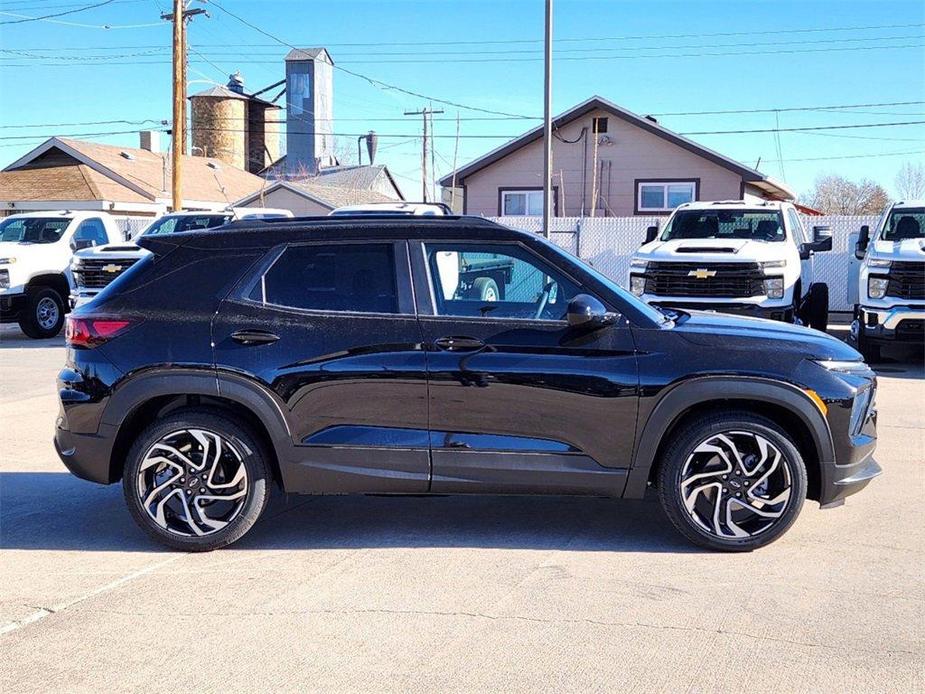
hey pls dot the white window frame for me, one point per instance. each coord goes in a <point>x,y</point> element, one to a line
<point>664,186</point>
<point>523,191</point>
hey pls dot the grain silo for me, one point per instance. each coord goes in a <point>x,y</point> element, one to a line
<point>219,125</point>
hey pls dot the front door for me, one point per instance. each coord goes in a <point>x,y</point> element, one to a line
<point>329,329</point>
<point>520,402</point>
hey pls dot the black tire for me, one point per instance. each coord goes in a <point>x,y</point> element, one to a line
<point>251,454</point>
<point>485,289</point>
<point>43,316</point>
<point>699,431</point>
<point>818,307</point>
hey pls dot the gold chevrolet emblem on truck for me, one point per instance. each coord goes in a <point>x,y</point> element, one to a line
<point>701,273</point>
<point>111,268</point>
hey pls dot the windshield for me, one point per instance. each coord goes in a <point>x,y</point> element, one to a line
<point>171,224</point>
<point>33,229</point>
<point>754,225</point>
<point>905,223</point>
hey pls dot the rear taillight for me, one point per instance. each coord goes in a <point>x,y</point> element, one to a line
<point>87,333</point>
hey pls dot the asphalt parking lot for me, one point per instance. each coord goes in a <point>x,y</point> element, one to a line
<point>452,593</point>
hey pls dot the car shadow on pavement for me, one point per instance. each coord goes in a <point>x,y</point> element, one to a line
<point>56,511</point>
<point>14,339</point>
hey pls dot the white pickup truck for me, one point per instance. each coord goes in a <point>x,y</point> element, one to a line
<point>891,288</point>
<point>734,256</point>
<point>35,257</point>
<point>94,268</point>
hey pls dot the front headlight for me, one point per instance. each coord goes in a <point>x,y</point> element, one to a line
<point>772,263</point>
<point>879,262</point>
<point>4,279</point>
<point>845,367</point>
<point>637,285</point>
<point>774,287</point>
<point>7,261</point>
<point>876,287</point>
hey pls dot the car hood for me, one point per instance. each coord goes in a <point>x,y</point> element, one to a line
<point>715,250</point>
<point>727,332</point>
<point>112,250</point>
<point>907,249</point>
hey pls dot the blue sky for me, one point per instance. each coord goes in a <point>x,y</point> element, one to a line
<point>650,57</point>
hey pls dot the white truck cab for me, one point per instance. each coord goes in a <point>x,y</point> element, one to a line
<point>734,256</point>
<point>891,287</point>
<point>94,268</point>
<point>35,256</point>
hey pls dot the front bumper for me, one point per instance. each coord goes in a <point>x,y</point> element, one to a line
<point>11,307</point>
<point>780,313</point>
<point>895,324</point>
<point>81,297</point>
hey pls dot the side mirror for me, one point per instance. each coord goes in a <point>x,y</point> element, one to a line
<point>585,311</point>
<point>822,238</point>
<point>651,234</point>
<point>860,248</point>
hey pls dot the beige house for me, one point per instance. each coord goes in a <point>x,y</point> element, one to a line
<point>74,174</point>
<point>607,161</point>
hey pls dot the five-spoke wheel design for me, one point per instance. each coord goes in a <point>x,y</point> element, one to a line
<point>735,485</point>
<point>192,482</point>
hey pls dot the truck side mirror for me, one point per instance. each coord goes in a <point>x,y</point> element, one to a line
<point>651,234</point>
<point>822,238</point>
<point>860,248</point>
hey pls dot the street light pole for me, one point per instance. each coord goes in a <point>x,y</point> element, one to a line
<point>547,123</point>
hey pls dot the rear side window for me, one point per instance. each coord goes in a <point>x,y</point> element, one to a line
<point>359,278</point>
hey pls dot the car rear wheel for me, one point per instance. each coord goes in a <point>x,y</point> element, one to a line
<point>43,315</point>
<point>732,482</point>
<point>196,480</point>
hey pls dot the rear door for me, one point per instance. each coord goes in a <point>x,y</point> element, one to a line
<point>520,402</point>
<point>329,329</point>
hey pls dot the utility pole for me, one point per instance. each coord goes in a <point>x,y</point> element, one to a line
<point>425,113</point>
<point>179,17</point>
<point>547,122</point>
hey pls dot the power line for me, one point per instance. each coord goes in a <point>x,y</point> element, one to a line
<point>789,108</point>
<point>803,129</point>
<point>83,8</point>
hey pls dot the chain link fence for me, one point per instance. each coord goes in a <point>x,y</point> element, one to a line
<point>608,244</point>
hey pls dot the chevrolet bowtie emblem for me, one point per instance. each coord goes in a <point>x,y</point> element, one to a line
<point>701,273</point>
<point>111,268</point>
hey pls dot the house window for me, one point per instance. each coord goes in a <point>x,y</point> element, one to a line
<point>599,125</point>
<point>661,196</point>
<point>522,202</point>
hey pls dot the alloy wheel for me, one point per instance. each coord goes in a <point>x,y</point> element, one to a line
<point>192,482</point>
<point>736,484</point>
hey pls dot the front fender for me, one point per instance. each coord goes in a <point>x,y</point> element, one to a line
<point>687,394</point>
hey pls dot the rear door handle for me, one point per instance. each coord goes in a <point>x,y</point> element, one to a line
<point>254,337</point>
<point>458,344</point>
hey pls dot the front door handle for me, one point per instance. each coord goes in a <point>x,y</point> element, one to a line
<point>254,337</point>
<point>458,344</point>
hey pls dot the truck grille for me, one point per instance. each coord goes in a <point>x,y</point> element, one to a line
<point>96,274</point>
<point>907,280</point>
<point>732,280</point>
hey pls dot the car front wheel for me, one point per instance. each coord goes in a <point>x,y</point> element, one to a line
<point>731,481</point>
<point>196,480</point>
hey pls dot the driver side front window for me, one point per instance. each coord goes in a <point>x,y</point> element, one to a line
<point>496,281</point>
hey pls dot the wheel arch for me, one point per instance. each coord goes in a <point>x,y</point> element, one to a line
<point>151,395</point>
<point>785,404</point>
<point>53,280</point>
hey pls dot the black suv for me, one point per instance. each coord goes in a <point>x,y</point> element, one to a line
<point>443,355</point>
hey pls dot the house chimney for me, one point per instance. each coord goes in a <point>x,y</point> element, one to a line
<point>309,111</point>
<point>150,140</point>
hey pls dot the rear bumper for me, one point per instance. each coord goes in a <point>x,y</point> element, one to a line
<point>86,455</point>
<point>896,324</point>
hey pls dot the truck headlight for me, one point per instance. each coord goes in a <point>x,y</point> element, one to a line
<point>772,263</point>
<point>879,262</point>
<point>876,287</point>
<point>774,287</point>
<point>4,279</point>
<point>637,285</point>
<point>7,261</point>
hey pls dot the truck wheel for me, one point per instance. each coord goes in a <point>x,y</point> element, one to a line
<point>43,315</point>
<point>818,306</point>
<point>485,289</point>
<point>731,481</point>
<point>196,480</point>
